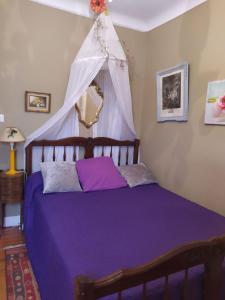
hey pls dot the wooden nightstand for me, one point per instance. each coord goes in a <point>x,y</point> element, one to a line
<point>11,191</point>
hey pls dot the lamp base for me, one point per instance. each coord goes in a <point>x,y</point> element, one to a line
<point>11,172</point>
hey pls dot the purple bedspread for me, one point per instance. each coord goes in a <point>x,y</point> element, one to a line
<point>97,233</point>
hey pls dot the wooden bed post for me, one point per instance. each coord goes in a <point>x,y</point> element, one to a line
<point>136,151</point>
<point>213,276</point>
<point>28,160</point>
<point>84,288</point>
<point>89,149</point>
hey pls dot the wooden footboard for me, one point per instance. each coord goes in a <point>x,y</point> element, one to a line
<point>208,253</point>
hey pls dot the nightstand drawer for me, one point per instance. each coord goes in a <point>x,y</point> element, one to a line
<point>7,197</point>
<point>11,187</point>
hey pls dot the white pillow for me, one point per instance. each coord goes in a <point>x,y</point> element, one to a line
<point>60,176</point>
<point>137,174</point>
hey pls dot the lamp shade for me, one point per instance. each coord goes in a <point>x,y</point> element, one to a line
<point>11,135</point>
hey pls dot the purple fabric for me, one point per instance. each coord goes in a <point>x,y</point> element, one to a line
<point>99,173</point>
<point>97,233</point>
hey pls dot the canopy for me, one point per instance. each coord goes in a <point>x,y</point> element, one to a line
<point>101,57</point>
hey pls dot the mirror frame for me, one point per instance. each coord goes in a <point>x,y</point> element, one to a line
<point>100,93</point>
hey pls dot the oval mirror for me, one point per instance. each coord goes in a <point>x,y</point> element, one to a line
<point>90,105</point>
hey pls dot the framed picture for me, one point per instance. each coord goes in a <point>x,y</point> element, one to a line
<point>172,94</point>
<point>37,102</point>
<point>215,103</point>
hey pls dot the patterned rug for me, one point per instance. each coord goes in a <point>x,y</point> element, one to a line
<point>20,281</point>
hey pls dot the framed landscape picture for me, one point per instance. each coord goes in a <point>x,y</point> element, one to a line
<point>172,94</point>
<point>37,102</point>
<point>215,103</point>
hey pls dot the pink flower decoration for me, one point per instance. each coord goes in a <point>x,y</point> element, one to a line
<point>221,103</point>
<point>98,6</point>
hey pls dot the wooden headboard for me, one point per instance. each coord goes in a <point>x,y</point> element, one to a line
<point>88,144</point>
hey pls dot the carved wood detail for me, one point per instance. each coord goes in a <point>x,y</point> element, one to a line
<point>208,253</point>
<point>87,143</point>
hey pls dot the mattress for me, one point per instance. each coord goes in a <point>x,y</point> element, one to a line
<point>97,233</point>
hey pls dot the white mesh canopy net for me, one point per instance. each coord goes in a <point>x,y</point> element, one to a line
<point>100,58</point>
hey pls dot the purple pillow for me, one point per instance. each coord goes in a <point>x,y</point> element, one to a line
<point>99,173</point>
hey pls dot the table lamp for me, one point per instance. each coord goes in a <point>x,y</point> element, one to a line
<point>11,135</point>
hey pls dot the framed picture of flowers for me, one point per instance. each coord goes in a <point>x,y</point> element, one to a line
<point>215,103</point>
<point>172,93</point>
<point>37,102</point>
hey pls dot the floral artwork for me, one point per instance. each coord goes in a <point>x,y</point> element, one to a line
<point>37,102</point>
<point>215,103</point>
<point>98,6</point>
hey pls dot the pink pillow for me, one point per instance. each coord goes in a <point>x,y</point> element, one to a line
<point>99,173</point>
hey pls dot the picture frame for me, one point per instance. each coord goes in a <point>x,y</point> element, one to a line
<point>215,103</point>
<point>172,93</point>
<point>37,102</point>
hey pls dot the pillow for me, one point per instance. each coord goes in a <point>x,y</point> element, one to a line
<point>99,173</point>
<point>137,174</point>
<point>60,176</point>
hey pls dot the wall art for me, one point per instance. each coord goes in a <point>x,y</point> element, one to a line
<point>172,94</point>
<point>37,102</point>
<point>215,103</point>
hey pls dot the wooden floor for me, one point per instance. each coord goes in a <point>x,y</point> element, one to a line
<point>8,237</point>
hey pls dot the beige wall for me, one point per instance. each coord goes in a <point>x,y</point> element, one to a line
<point>39,43</point>
<point>188,158</point>
<point>37,47</point>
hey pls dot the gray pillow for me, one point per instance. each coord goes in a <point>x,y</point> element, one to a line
<point>137,174</point>
<point>60,176</point>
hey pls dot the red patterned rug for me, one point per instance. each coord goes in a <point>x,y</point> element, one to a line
<point>20,281</point>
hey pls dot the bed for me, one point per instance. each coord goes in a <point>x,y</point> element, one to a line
<point>139,243</point>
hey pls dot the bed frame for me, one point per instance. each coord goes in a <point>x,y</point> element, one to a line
<point>88,144</point>
<point>209,253</point>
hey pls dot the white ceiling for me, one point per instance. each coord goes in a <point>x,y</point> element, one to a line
<point>141,15</point>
